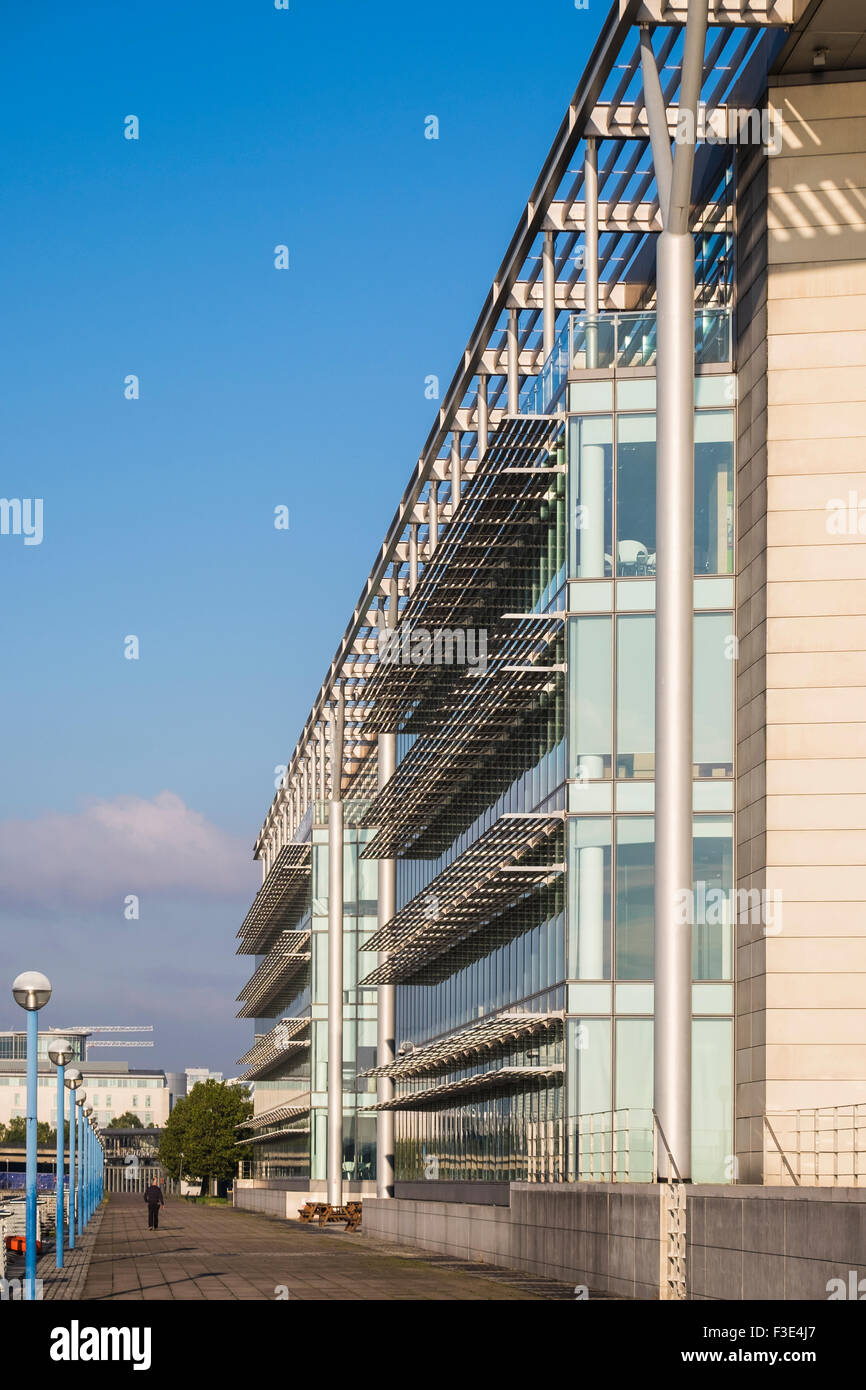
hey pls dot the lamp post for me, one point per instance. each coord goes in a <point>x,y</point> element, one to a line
<point>88,1139</point>
<point>79,1105</point>
<point>31,990</point>
<point>60,1052</point>
<point>73,1080</point>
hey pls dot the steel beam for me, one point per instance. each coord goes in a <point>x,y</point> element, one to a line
<point>613,295</point>
<point>766,13</point>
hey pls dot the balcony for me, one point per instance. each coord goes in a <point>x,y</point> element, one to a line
<point>618,342</point>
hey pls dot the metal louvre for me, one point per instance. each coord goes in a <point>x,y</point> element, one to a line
<point>279,969</point>
<point>485,1082</point>
<point>483,882</point>
<point>286,1028</point>
<point>274,1134</point>
<point>458,1049</point>
<point>277,1113</point>
<point>481,567</point>
<point>269,1050</point>
<point>480,731</point>
<point>273,1058</point>
<point>278,902</point>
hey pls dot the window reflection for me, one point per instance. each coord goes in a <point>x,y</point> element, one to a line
<point>636,495</point>
<point>635,872</point>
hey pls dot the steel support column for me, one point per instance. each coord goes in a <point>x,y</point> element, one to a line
<point>673,693</point>
<point>335,964</point>
<point>483,417</point>
<point>456,469</point>
<point>548,287</point>
<point>386,995</point>
<point>675,384</point>
<point>513,363</point>
<point>413,557</point>
<point>433,518</point>
<point>590,239</point>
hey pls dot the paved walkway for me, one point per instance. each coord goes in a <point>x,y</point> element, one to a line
<point>209,1253</point>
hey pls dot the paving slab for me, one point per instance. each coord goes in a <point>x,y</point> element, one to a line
<point>204,1252</point>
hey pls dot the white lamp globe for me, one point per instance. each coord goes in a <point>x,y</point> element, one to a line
<point>60,1051</point>
<point>31,989</point>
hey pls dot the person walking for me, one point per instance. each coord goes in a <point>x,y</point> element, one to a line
<point>154,1198</point>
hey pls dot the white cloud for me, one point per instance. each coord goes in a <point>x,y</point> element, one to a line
<point>109,849</point>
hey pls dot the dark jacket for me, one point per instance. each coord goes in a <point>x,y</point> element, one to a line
<point>153,1196</point>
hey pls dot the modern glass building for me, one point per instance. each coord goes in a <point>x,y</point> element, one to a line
<point>573,755</point>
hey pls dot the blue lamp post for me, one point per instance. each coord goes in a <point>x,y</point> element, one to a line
<point>79,1105</point>
<point>88,1167</point>
<point>73,1081</point>
<point>31,990</point>
<point>60,1052</point>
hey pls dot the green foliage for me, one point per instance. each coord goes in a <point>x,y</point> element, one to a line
<point>15,1133</point>
<point>127,1120</point>
<point>199,1139</point>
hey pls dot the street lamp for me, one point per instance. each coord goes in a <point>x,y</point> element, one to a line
<point>88,1139</point>
<point>60,1051</point>
<point>91,1160</point>
<point>31,990</point>
<point>73,1080</point>
<point>79,1102</point>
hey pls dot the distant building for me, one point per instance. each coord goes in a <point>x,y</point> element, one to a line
<point>113,1088</point>
<point>196,1074</point>
<point>176,1082</point>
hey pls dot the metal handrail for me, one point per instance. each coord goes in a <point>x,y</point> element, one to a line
<point>821,1146</point>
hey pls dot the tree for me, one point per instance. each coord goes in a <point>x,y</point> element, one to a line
<point>200,1136</point>
<point>128,1120</point>
<point>15,1132</point>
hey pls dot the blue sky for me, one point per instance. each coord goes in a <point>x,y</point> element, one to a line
<point>258,387</point>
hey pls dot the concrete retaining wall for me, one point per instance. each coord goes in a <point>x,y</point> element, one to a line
<point>743,1242</point>
<point>605,1236</point>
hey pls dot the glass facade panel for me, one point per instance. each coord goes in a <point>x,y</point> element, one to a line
<point>713,696</point>
<point>589,898</point>
<point>589,712</point>
<point>633,1099</point>
<point>635,697</point>
<point>714,492</point>
<point>635,863</point>
<point>636,494</point>
<point>712,1125</point>
<point>712,931</point>
<point>590,473</point>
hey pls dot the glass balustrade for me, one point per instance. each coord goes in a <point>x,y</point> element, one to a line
<point>617,341</point>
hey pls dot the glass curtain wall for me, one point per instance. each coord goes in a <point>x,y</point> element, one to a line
<point>611,771</point>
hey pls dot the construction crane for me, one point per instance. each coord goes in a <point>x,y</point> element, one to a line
<point>90,1028</point>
